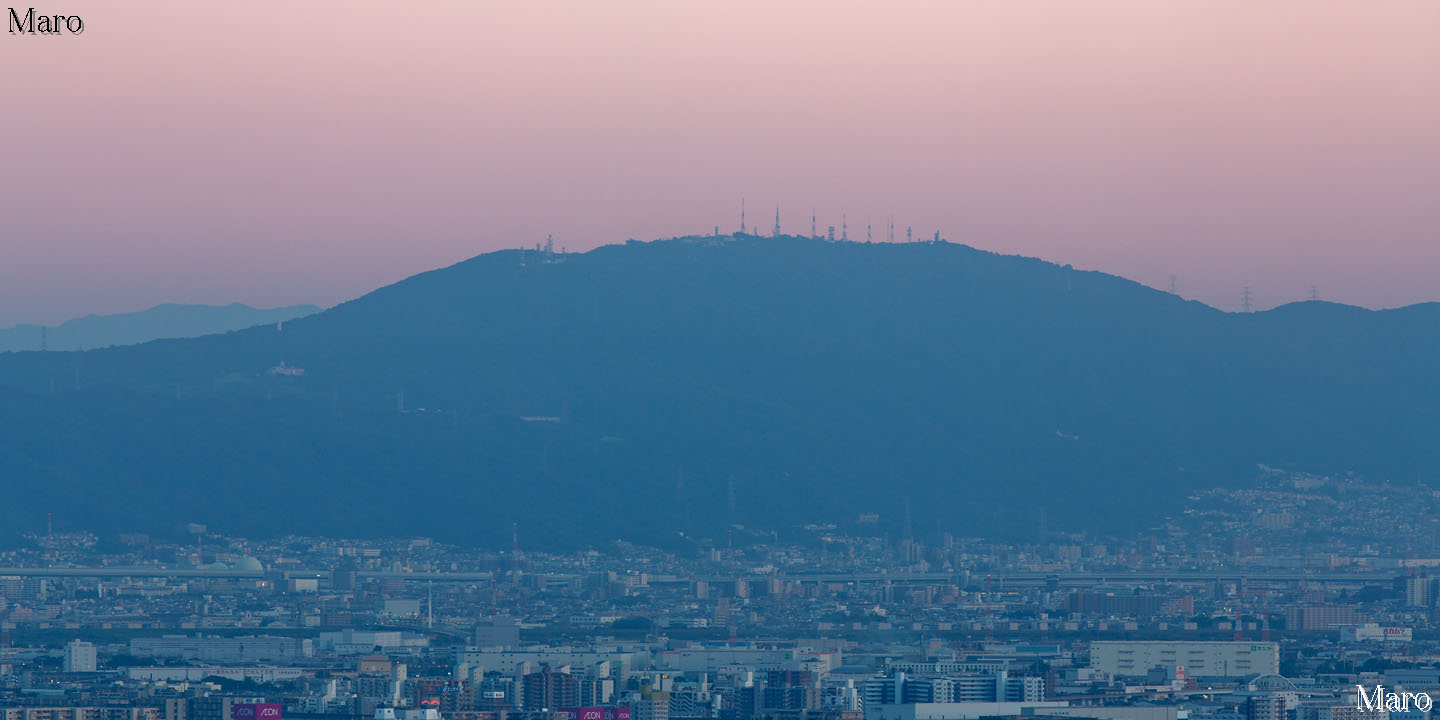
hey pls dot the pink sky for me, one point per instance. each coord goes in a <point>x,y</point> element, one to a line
<point>276,153</point>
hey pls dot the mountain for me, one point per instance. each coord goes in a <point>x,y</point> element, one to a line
<point>162,321</point>
<point>647,390</point>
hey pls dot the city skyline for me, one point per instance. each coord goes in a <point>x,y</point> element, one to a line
<point>643,360</point>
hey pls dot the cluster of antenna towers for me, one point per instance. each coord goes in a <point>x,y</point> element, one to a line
<point>1246,297</point>
<point>830,231</point>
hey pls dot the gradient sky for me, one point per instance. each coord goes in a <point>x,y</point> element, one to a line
<point>275,153</point>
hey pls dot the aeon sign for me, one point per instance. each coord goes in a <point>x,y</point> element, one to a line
<point>594,713</point>
<point>255,711</point>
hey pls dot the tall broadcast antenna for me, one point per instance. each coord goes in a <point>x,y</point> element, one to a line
<point>1245,299</point>
<point>776,232</point>
<point>742,215</point>
<point>813,234</point>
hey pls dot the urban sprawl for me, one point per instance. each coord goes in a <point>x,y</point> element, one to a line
<point>1269,603</point>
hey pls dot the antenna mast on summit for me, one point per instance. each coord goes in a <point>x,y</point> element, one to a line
<point>1245,299</point>
<point>844,229</point>
<point>813,234</point>
<point>867,232</point>
<point>742,215</point>
<point>776,232</point>
<point>1314,294</point>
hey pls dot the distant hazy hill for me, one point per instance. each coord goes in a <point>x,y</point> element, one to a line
<point>162,321</point>
<point>650,389</point>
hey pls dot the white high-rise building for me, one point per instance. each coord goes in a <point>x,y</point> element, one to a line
<point>79,656</point>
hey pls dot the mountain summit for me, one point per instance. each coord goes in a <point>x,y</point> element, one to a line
<point>673,389</point>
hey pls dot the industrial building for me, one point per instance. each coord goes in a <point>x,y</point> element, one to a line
<point>1200,659</point>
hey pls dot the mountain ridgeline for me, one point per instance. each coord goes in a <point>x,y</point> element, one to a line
<point>170,320</point>
<point>665,391</point>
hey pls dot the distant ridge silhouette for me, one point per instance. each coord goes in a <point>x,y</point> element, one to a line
<point>789,380</point>
<point>162,321</point>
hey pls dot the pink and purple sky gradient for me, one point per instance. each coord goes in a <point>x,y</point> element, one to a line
<point>276,153</point>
